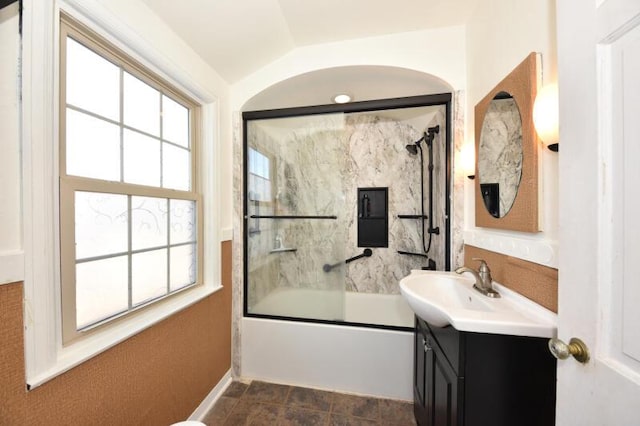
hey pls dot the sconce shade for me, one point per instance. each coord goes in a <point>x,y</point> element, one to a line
<point>545,115</point>
<point>467,160</point>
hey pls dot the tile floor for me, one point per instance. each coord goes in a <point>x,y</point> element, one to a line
<point>268,404</point>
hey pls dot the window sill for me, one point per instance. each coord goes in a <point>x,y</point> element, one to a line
<point>78,352</point>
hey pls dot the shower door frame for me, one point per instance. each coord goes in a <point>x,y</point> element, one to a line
<point>440,99</point>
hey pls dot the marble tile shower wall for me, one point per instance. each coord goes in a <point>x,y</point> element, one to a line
<point>378,158</point>
<point>438,248</point>
<point>459,180</point>
<point>317,164</point>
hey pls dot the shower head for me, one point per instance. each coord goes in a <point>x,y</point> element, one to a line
<point>413,148</point>
<point>430,135</point>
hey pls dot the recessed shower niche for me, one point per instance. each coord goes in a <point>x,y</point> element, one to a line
<point>373,217</point>
<point>314,176</point>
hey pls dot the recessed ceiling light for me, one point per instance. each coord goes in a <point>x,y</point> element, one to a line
<point>342,98</point>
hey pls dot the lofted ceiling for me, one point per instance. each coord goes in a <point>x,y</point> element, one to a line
<point>238,37</point>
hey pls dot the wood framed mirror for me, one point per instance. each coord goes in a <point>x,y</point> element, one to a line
<point>507,152</point>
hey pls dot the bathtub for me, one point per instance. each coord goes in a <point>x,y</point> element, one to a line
<point>389,310</point>
<point>375,360</point>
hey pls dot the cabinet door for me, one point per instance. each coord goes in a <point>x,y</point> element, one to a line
<point>419,378</point>
<point>441,397</point>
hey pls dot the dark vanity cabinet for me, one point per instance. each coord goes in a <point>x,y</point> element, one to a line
<point>437,387</point>
<point>477,379</point>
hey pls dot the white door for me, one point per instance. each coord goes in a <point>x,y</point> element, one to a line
<point>599,288</point>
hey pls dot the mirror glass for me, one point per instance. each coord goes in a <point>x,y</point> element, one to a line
<point>500,154</point>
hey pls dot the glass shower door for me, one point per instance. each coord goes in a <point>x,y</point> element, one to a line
<point>295,218</point>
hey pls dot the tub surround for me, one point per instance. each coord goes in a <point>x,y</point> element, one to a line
<point>438,249</point>
<point>316,171</point>
<point>459,178</point>
<point>538,283</point>
<point>408,193</point>
<point>237,244</point>
<point>378,159</point>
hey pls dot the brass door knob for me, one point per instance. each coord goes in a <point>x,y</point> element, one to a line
<point>575,348</point>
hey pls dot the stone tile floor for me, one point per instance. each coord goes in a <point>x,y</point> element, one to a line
<point>268,404</point>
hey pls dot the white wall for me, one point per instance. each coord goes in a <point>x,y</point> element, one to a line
<point>150,31</point>
<point>153,30</point>
<point>500,34</point>
<point>10,212</point>
<point>440,52</point>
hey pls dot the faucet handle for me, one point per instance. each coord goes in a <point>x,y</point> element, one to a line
<point>483,264</point>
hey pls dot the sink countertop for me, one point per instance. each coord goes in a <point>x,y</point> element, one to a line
<point>446,298</point>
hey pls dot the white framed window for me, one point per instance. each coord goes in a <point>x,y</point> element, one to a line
<point>129,208</point>
<point>172,219</point>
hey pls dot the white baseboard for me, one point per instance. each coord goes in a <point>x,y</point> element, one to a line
<point>209,401</point>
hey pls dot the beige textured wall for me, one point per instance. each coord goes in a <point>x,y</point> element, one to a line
<point>536,282</point>
<point>156,377</point>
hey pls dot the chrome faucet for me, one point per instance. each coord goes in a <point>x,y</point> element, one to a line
<point>483,278</point>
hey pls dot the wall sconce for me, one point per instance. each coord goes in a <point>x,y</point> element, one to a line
<point>545,116</point>
<point>467,160</point>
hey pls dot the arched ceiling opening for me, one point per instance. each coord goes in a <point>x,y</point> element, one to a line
<point>361,82</point>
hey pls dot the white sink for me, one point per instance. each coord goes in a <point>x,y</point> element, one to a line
<point>446,298</point>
